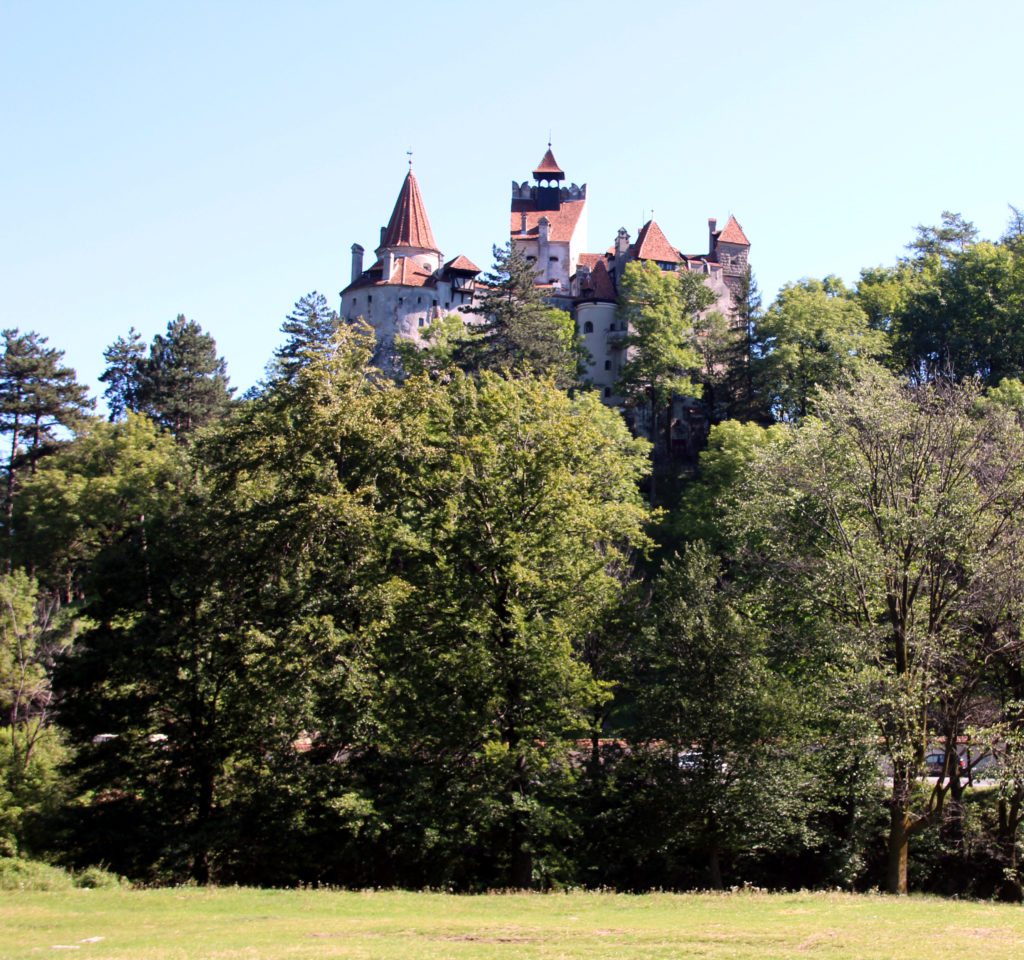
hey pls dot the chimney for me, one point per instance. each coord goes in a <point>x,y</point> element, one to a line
<point>357,262</point>
<point>522,221</point>
<point>383,230</point>
<point>543,228</point>
<point>621,242</point>
<point>712,223</point>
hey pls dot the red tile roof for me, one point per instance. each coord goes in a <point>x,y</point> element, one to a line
<point>590,260</point>
<point>548,164</point>
<point>601,286</point>
<point>408,273</point>
<point>462,263</point>
<point>733,233</point>
<point>652,244</point>
<point>563,220</point>
<point>409,226</point>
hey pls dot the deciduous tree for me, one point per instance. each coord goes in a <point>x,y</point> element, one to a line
<point>891,516</point>
<point>522,505</point>
<point>658,311</point>
<point>717,725</point>
<point>813,335</point>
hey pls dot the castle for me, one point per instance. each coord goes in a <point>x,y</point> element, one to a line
<point>408,286</point>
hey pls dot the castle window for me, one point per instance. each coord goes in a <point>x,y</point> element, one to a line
<point>419,299</point>
<point>421,321</point>
<point>607,364</point>
<point>607,392</point>
<point>553,259</point>
<point>530,259</point>
<point>588,327</point>
<point>447,304</point>
<point>401,300</point>
<point>611,328</point>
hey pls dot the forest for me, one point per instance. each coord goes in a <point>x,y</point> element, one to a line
<point>474,629</point>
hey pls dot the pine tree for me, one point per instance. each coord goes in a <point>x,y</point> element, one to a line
<point>521,331</point>
<point>185,383</point>
<point>745,402</point>
<point>38,397</point>
<point>310,328</point>
<point>126,362</point>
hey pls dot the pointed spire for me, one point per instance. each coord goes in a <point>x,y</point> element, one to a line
<point>652,244</point>
<point>548,166</point>
<point>733,233</point>
<point>409,225</point>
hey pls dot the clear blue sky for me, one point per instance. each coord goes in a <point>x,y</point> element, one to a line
<point>219,159</point>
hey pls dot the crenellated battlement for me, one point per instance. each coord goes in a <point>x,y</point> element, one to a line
<point>528,191</point>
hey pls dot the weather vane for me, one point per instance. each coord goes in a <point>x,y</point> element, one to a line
<point>408,153</point>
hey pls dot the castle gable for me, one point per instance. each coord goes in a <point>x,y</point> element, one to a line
<point>525,220</point>
<point>733,233</point>
<point>652,244</point>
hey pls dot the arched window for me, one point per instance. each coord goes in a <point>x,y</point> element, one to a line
<point>588,327</point>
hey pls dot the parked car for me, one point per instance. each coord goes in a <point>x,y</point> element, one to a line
<point>935,763</point>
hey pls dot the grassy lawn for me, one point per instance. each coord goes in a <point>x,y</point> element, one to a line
<point>189,923</point>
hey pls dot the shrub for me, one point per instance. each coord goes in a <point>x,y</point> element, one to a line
<point>19,874</point>
<point>96,878</point>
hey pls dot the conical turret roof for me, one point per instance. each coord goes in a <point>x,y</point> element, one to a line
<point>548,166</point>
<point>409,225</point>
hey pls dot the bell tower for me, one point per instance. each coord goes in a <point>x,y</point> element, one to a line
<point>548,177</point>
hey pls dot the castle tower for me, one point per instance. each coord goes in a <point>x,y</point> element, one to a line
<point>407,287</point>
<point>730,248</point>
<point>408,234</point>
<point>549,224</point>
<point>548,177</point>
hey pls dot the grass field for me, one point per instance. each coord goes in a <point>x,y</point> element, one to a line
<point>230,923</point>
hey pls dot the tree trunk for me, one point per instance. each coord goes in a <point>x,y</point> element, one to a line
<point>9,499</point>
<point>521,859</point>
<point>1010,888</point>
<point>201,834</point>
<point>899,845</point>
<point>521,868</point>
<point>654,450</point>
<point>715,868</point>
